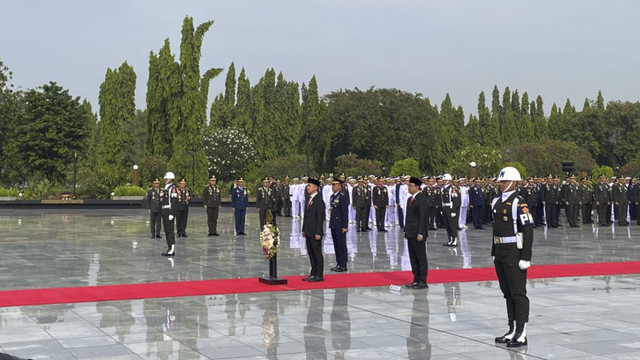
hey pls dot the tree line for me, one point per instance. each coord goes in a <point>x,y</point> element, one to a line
<point>270,127</point>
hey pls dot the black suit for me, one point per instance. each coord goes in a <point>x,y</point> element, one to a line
<point>416,224</point>
<point>312,225</point>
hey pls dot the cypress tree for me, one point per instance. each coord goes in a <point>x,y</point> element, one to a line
<point>242,111</point>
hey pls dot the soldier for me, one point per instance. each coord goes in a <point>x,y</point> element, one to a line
<point>633,213</point>
<point>586,200</point>
<point>530,194</point>
<point>391,211</point>
<point>279,199</point>
<point>239,204</point>
<point>339,224</point>
<point>636,195</point>
<point>154,208</point>
<point>361,202</point>
<point>264,202</point>
<point>550,202</point>
<point>539,216</point>
<point>476,203</point>
<point>571,198</point>
<point>602,197</point>
<point>490,193</point>
<point>620,199</point>
<point>464,203</point>
<point>450,202</point>
<point>433,202</point>
<point>402,193</point>
<point>512,252</point>
<point>286,197</point>
<point>212,201</point>
<point>168,198</point>
<point>380,203</point>
<point>182,207</point>
<point>352,209</point>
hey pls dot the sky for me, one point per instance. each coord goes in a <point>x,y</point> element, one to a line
<point>557,49</point>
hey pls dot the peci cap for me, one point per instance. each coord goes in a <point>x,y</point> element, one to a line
<point>415,181</point>
<point>313,181</point>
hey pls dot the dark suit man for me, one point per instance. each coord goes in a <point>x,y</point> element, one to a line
<point>415,231</point>
<point>312,230</point>
<point>339,224</point>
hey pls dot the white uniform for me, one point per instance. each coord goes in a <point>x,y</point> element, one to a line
<point>302,190</point>
<point>403,197</point>
<point>352,210</point>
<point>372,211</point>
<point>326,197</point>
<point>391,210</point>
<point>464,205</point>
<point>295,200</point>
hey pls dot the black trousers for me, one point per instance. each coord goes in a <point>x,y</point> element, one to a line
<point>586,214</point>
<point>181,221</point>
<point>168,227</point>
<point>450,222</point>
<point>362,217</point>
<point>476,213</point>
<point>602,214</point>
<point>621,213</point>
<point>571,211</point>
<point>381,212</point>
<point>286,207</point>
<point>155,218</point>
<point>340,246</point>
<point>314,249</point>
<point>212,219</point>
<point>418,258</point>
<point>551,210</point>
<point>432,217</point>
<point>400,215</point>
<point>513,282</point>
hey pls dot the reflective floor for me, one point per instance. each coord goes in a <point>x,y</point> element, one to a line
<point>571,318</point>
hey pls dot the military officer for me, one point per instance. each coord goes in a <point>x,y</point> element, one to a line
<point>586,200</point>
<point>476,203</point>
<point>286,197</point>
<point>339,224</point>
<point>450,202</point>
<point>512,252</point>
<point>182,208</point>
<point>620,200</point>
<point>212,201</point>
<point>169,197</point>
<point>602,197</point>
<point>154,207</point>
<point>361,201</point>
<point>530,194</point>
<point>433,202</point>
<point>239,204</point>
<point>380,203</point>
<point>571,200</point>
<point>264,202</point>
<point>551,201</point>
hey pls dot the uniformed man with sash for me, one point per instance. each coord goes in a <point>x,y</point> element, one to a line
<point>168,199</point>
<point>212,200</point>
<point>182,208</point>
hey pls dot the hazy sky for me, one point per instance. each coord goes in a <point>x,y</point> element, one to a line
<point>557,49</point>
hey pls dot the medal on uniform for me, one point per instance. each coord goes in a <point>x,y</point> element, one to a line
<point>505,218</point>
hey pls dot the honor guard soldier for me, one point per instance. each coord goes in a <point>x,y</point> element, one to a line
<point>155,209</point>
<point>239,204</point>
<point>380,203</point>
<point>339,224</point>
<point>182,209</point>
<point>169,200</point>
<point>264,202</point>
<point>512,251</point>
<point>212,200</point>
<point>586,200</point>
<point>450,202</point>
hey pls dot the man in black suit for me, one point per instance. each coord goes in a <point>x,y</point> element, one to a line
<point>415,231</point>
<point>312,230</point>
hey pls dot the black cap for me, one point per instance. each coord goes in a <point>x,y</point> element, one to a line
<point>313,181</point>
<point>415,181</point>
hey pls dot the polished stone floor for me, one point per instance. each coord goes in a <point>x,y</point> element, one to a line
<point>571,318</point>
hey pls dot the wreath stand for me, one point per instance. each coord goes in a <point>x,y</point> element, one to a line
<point>273,278</point>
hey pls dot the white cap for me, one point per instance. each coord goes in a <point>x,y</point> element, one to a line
<point>169,175</point>
<point>509,174</point>
<point>447,177</point>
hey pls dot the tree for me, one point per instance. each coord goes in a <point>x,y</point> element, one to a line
<point>352,166</point>
<point>229,152</point>
<point>9,113</point>
<point>408,166</point>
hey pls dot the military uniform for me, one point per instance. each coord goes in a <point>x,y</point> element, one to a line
<point>339,223</point>
<point>212,201</point>
<point>450,203</point>
<point>155,210</point>
<point>264,203</point>
<point>182,209</point>
<point>380,203</point>
<point>239,203</point>
<point>551,201</point>
<point>571,199</point>
<point>586,201</point>
<point>636,197</point>
<point>433,203</point>
<point>530,195</point>
<point>476,202</point>
<point>620,200</point>
<point>602,197</point>
<point>362,203</point>
<point>168,199</point>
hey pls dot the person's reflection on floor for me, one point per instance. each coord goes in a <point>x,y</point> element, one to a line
<point>452,294</point>
<point>271,327</point>
<point>341,323</point>
<point>314,344</point>
<point>418,346</point>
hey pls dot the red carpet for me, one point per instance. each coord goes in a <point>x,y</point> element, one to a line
<point>251,285</point>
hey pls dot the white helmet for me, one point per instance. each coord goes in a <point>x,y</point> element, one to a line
<point>447,177</point>
<point>169,175</point>
<point>509,174</point>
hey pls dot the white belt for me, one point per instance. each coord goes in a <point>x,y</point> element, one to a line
<point>447,204</point>
<point>166,206</point>
<point>505,240</point>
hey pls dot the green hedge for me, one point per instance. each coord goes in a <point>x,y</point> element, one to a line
<point>8,192</point>
<point>129,190</point>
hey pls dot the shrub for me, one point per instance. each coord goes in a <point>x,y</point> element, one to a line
<point>129,190</point>
<point>8,192</point>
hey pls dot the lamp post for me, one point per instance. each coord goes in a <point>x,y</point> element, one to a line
<point>75,172</point>
<point>134,177</point>
<point>472,171</point>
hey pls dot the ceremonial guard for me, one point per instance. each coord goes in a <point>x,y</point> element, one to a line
<point>380,203</point>
<point>278,198</point>
<point>155,209</point>
<point>620,199</point>
<point>512,251</point>
<point>212,201</point>
<point>339,224</point>
<point>551,200</point>
<point>285,190</point>
<point>168,198</point>
<point>450,202</point>
<point>264,202</point>
<point>476,203</point>
<point>415,231</point>
<point>182,208</point>
<point>313,230</point>
<point>602,197</point>
<point>361,201</point>
<point>239,204</point>
<point>433,201</point>
<point>586,200</point>
<point>571,198</point>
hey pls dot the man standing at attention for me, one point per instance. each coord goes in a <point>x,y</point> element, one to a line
<point>312,231</point>
<point>415,231</point>
<point>154,207</point>
<point>212,199</point>
<point>339,224</point>
<point>239,204</point>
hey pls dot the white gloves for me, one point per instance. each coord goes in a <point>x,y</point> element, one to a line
<point>524,265</point>
<point>170,217</point>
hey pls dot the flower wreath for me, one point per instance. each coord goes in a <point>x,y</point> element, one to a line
<point>269,238</point>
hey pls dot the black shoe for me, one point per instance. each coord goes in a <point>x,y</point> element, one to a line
<point>359,230</point>
<point>158,237</point>
<point>307,278</point>
<point>335,268</point>
<point>519,339</point>
<point>421,286</point>
<point>383,230</point>
<point>341,269</point>
<point>184,235</point>
<point>153,236</point>
<point>316,279</point>
<point>216,234</point>
<point>516,343</point>
<point>210,234</point>
<point>506,337</point>
<point>413,284</point>
<point>167,254</point>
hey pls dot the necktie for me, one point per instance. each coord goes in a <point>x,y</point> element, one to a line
<point>308,203</point>
<point>410,201</point>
